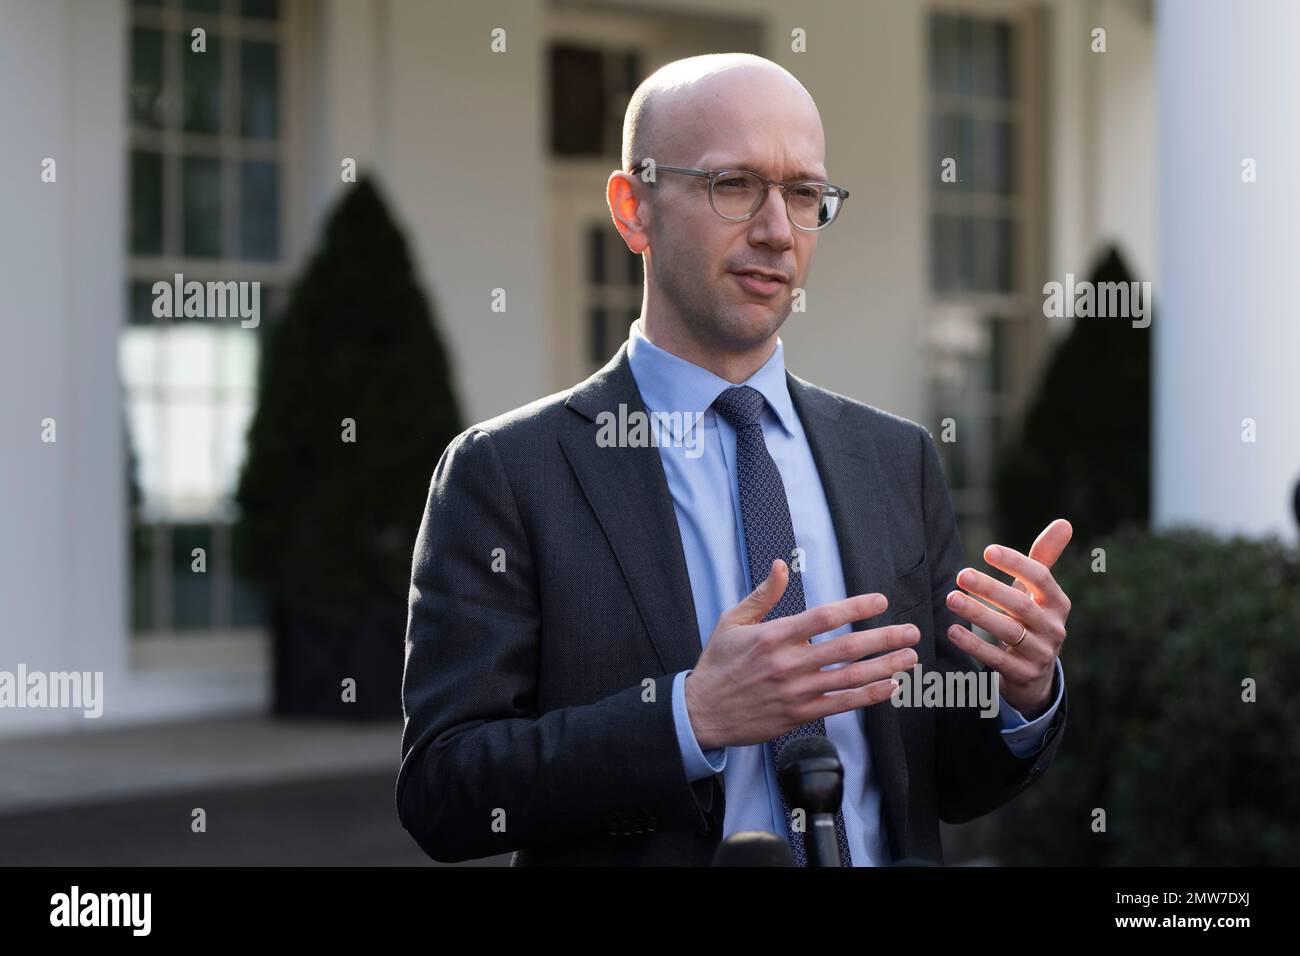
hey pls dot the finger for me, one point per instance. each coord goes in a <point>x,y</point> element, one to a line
<point>1033,648</point>
<point>1015,602</point>
<point>858,644</point>
<point>857,674</point>
<point>754,607</point>
<point>827,705</point>
<point>1051,541</point>
<point>807,624</point>
<point>1010,666</point>
<point>1033,574</point>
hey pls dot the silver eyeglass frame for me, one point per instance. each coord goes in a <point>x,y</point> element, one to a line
<point>713,175</point>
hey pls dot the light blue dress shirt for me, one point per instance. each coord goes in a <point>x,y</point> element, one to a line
<point>706,497</point>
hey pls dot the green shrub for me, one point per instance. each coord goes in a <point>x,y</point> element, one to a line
<point>1158,734</point>
<point>327,526</point>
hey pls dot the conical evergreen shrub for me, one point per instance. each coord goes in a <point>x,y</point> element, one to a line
<point>355,405</point>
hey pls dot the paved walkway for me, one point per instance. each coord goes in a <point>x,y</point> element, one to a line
<point>95,766</point>
<point>276,792</point>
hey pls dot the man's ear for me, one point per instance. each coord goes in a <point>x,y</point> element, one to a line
<point>629,212</point>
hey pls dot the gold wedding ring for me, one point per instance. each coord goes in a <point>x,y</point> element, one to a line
<point>1016,642</point>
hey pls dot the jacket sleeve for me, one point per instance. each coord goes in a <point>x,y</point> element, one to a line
<point>976,771</point>
<point>482,771</point>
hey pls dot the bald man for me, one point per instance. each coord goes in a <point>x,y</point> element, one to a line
<point>628,598</point>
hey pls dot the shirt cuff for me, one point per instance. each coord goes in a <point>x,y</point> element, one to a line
<point>1025,737</point>
<point>698,763</point>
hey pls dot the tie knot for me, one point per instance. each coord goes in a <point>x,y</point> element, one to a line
<point>740,405</point>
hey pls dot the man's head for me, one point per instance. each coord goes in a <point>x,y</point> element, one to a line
<point>731,110</point>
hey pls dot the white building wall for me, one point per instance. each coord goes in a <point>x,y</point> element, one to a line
<point>1101,138</point>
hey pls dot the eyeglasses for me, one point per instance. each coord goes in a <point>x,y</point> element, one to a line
<point>738,194</point>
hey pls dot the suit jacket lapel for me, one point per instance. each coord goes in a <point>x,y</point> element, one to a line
<point>628,491</point>
<point>855,491</point>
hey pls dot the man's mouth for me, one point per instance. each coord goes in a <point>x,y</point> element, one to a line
<point>761,282</point>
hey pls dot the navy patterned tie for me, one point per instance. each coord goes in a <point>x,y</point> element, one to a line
<point>769,533</point>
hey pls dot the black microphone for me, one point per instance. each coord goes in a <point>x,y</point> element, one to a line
<point>753,848</point>
<point>812,778</point>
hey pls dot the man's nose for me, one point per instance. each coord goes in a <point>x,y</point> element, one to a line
<point>771,222</point>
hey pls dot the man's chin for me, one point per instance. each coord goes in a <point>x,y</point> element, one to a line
<point>751,325</point>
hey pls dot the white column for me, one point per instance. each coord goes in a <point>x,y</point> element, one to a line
<point>1227,333</point>
<point>63,567</point>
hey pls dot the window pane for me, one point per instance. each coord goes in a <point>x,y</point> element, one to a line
<point>140,299</point>
<point>578,107</point>
<point>203,6</point>
<point>191,590</point>
<point>146,203</point>
<point>236,416</point>
<point>145,95</point>
<point>596,335</point>
<point>259,84</point>
<point>190,476</point>
<point>950,139</point>
<point>201,188</point>
<point>992,244</point>
<point>945,54</point>
<point>596,255</point>
<point>990,58</point>
<point>143,423</point>
<point>190,357</point>
<point>1007,243</point>
<point>997,361</point>
<point>202,86</point>
<point>138,358</point>
<point>993,156</point>
<point>259,210</point>
<point>951,259</point>
<point>142,555</point>
<point>260,9</point>
<point>238,355</point>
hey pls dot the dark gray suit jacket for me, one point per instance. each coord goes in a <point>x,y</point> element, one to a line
<point>538,697</point>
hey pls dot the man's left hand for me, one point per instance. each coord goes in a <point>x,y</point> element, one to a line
<point>1033,600</point>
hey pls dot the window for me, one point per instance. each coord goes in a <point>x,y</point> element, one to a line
<point>982,333</point>
<point>614,275</point>
<point>206,194</point>
<point>973,226</point>
<point>589,91</point>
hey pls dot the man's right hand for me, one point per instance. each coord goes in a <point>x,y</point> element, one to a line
<point>758,679</point>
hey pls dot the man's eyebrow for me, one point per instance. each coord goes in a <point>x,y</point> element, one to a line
<point>753,167</point>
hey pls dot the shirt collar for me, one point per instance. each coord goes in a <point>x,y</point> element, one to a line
<point>669,383</point>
